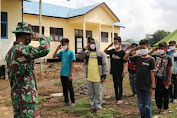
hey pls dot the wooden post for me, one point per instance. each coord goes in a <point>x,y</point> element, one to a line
<point>42,69</point>
<point>100,34</point>
<point>40,17</point>
<point>112,33</point>
<point>84,32</point>
<point>6,73</point>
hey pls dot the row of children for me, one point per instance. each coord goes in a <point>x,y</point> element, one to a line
<point>147,72</point>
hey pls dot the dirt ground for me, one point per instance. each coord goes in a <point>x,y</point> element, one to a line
<point>53,107</point>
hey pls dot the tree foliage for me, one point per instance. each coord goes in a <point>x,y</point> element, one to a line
<point>130,41</point>
<point>157,36</point>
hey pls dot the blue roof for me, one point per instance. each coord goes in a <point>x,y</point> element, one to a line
<point>119,25</point>
<point>32,7</point>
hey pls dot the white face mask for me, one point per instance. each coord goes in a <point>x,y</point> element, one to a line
<point>116,46</point>
<point>161,52</point>
<point>93,46</point>
<point>172,48</point>
<point>64,47</point>
<point>143,51</point>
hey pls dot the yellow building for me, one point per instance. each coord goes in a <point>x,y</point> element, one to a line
<point>96,21</point>
<point>11,14</point>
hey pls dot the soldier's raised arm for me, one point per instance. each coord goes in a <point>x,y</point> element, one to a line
<point>42,50</point>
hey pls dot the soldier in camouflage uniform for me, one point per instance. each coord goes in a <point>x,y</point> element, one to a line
<point>20,63</point>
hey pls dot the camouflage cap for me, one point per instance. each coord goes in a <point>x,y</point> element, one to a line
<point>23,27</point>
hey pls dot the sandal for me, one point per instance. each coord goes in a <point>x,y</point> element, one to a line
<point>157,111</point>
<point>163,112</point>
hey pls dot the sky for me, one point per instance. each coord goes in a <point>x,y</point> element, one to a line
<point>140,17</point>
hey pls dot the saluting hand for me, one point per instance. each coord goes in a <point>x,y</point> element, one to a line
<point>35,36</point>
<point>59,47</point>
<point>87,46</point>
<point>135,49</point>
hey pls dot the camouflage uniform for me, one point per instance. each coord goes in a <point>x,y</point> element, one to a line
<point>20,63</point>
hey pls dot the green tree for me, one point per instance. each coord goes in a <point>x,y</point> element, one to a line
<point>130,41</point>
<point>157,36</point>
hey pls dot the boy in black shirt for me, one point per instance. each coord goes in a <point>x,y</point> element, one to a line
<point>118,66</point>
<point>163,78</point>
<point>145,66</point>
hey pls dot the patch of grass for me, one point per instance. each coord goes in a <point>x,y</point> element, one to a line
<point>116,112</point>
<point>58,83</point>
<point>132,115</point>
<point>83,110</point>
<point>75,83</point>
<point>41,100</point>
<point>108,85</point>
<point>8,103</point>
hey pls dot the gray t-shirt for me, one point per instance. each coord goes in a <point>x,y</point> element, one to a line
<point>143,68</point>
<point>162,64</point>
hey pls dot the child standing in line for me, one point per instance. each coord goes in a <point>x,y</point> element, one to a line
<point>132,70</point>
<point>68,59</point>
<point>96,70</point>
<point>118,67</point>
<point>163,78</point>
<point>173,88</point>
<point>145,66</point>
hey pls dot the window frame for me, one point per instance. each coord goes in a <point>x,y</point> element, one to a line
<point>105,41</point>
<point>51,34</point>
<point>115,35</point>
<point>43,29</point>
<point>5,22</point>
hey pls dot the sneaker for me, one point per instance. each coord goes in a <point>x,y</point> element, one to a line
<point>119,101</point>
<point>174,101</point>
<point>73,105</point>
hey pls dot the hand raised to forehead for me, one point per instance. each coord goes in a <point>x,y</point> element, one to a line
<point>87,46</point>
<point>136,48</point>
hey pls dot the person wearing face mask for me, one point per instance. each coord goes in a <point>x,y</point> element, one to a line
<point>68,59</point>
<point>145,84</point>
<point>96,71</point>
<point>20,64</point>
<point>132,69</point>
<point>162,78</point>
<point>118,67</point>
<point>173,88</point>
